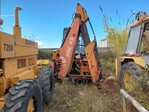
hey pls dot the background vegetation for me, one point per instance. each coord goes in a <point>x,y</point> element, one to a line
<point>117,37</point>
<point>44,54</point>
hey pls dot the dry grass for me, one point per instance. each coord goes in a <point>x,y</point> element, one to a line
<point>69,97</point>
<point>108,63</point>
<point>142,98</point>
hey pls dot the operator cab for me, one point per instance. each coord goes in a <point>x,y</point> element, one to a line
<point>138,40</point>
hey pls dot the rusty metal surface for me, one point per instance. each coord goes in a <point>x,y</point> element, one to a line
<point>92,62</point>
<point>111,85</point>
<point>67,51</point>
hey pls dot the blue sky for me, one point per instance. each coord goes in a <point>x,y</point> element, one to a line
<point>45,19</point>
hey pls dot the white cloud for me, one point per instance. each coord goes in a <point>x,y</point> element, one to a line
<point>40,43</point>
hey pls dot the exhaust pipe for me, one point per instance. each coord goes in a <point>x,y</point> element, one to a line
<point>17,15</point>
<point>17,28</point>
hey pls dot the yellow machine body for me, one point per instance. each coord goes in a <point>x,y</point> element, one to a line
<point>121,60</point>
<point>135,59</point>
<point>18,59</point>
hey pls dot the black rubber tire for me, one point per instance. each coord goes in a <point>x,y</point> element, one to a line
<point>18,97</point>
<point>47,83</point>
<point>137,75</point>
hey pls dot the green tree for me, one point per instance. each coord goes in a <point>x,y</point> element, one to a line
<point>44,54</point>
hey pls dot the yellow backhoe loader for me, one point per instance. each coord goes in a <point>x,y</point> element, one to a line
<point>24,87</point>
<point>133,66</point>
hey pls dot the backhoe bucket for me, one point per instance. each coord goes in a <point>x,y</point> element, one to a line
<point>111,85</point>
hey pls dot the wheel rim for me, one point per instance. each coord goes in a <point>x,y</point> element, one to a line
<point>128,82</point>
<point>30,107</point>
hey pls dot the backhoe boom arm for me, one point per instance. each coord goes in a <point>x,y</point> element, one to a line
<point>68,48</point>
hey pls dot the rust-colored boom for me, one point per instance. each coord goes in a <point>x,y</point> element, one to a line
<point>93,66</point>
<point>67,51</point>
<point>71,60</point>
